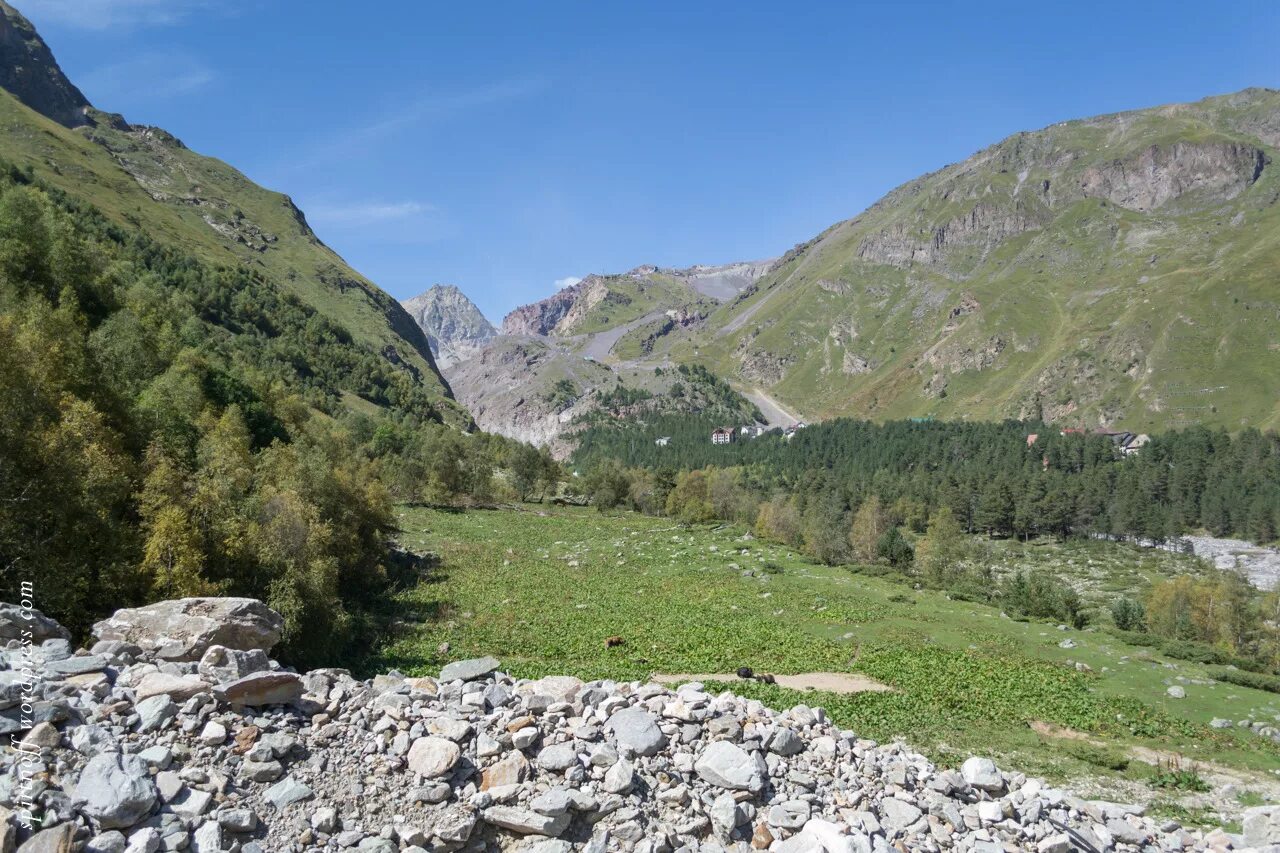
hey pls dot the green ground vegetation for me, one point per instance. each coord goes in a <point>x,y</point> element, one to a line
<point>543,588</point>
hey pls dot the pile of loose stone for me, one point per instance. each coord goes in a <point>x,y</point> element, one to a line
<point>177,732</point>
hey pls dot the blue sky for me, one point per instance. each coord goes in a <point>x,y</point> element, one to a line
<point>505,146</point>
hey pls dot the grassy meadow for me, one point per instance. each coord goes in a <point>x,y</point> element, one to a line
<point>542,588</point>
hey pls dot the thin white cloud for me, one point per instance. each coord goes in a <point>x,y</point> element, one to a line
<point>433,107</point>
<point>356,214</point>
<point>149,77</point>
<point>114,14</point>
<point>567,281</point>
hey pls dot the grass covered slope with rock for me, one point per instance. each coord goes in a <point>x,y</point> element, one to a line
<point>143,179</point>
<point>161,737</point>
<point>1109,270</point>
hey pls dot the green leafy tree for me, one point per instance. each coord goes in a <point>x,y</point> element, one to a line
<point>940,553</point>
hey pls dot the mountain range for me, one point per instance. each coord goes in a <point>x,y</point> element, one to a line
<point>1116,271</point>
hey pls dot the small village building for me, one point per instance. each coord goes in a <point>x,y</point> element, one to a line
<point>663,441</point>
<point>723,435</point>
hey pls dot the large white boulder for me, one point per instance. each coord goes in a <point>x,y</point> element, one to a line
<point>183,629</point>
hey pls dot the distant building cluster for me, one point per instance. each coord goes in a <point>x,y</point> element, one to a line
<point>729,434</point>
<point>1126,442</point>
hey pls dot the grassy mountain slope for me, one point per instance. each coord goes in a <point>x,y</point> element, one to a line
<point>1123,269</point>
<point>144,178</point>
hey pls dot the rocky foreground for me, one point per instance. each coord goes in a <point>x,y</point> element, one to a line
<point>175,731</point>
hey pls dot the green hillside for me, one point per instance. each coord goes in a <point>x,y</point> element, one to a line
<point>143,178</point>
<point>1117,270</point>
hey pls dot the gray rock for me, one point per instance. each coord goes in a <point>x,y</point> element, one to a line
<point>982,773</point>
<point>560,756</point>
<point>619,778</point>
<point>261,688</point>
<point>456,824</point>
<point>115,790</point>
<point>190,803</point>
<point>208,838</point>
<point>636,730</point>
<point>77,665</point>
<point>786,742</point>
<point>220,664</point>
<point>432,757</point>
<point>213,733</point>
<point>1261,826</point>
<point>552,803</point>
<point>17,623</point>
<point>56,839</point>
<point>726,814</point>
<point>145,840</point>
<point>324,820</point>
<point>897,814</point>
<point>238,820</point>
<point>112,841</point>
<point>153,713</point>
<point>184,629</point>
<point>468,670</point>
<point>728,765</point>
<point>158,756</point>
<point>790,815</point>
<point>177,687</point>
<point>526,822</point>
<point>261,771</point>
<point>287,792</point>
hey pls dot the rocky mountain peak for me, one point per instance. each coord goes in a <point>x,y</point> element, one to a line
<point>29,71</point>
<point>455,328</point>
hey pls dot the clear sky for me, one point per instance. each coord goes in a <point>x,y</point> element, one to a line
<point>505,146</point>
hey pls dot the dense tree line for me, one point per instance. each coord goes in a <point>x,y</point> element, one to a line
<point>987,474</point>
<point>171,428</point>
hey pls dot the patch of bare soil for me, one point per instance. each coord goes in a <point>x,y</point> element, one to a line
<point>826,682</point>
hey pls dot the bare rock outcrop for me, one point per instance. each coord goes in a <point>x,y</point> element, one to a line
<point>454,326</point>
<point>184,629</point>
<point>1159,174</point>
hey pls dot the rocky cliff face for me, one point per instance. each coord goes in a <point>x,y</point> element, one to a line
<point>558,313</point>
<point>530,389</point>
<point>645,289</point>
<point>29,71</point>
<point>453,324</point>
<point>1159,174</point>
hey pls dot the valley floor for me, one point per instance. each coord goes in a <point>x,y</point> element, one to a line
<point>567,590</point>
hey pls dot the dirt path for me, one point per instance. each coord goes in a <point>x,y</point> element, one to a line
<point>1223,781</point>
<point>775,414</point>
<point>600,344</point>
<point>741,320</point>
<point>827,682</point>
